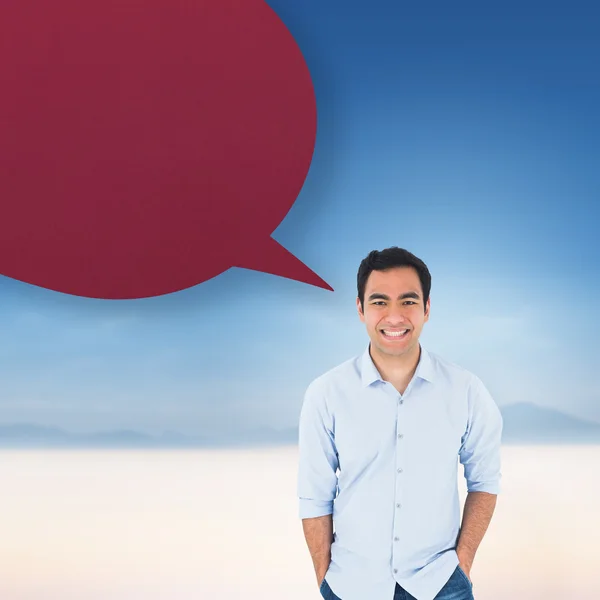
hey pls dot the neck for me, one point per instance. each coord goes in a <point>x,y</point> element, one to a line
<point>396,368</point>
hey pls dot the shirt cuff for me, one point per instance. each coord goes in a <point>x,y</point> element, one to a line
<point>315,508</point>
<point>491,487</point>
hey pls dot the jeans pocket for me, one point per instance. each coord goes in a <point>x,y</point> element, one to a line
<point>327,592</point>
<point>464,576</point>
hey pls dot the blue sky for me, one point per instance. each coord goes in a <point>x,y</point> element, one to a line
<point>466,134</point>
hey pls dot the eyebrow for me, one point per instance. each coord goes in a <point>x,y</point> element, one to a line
<point>377,296</point>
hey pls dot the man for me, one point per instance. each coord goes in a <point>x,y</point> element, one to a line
<point>379,440</point>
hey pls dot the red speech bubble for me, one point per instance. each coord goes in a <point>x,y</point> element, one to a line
<point>148,145</point>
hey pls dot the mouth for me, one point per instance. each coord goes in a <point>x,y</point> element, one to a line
<point>395,334</point>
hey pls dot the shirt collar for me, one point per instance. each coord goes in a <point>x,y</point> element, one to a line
<point>369,373</point>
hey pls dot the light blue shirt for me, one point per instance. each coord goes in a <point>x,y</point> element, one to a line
<point>386,466</point>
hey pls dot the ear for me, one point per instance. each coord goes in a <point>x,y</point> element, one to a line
<point>361,314</point>
<point>427,309</point>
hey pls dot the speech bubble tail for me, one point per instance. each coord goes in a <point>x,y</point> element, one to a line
<point>271,257</point>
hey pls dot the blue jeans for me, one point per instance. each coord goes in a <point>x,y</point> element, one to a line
<point>458,587</point>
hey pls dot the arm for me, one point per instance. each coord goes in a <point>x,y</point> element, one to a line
<point>318,533</point>
<point>317,477</point>
<point>478,511</point>
<point>480,456</point>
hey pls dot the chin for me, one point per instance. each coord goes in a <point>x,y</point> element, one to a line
<point>392,350</point>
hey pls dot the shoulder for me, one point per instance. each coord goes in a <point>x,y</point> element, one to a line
<point>466,383</point>
<point>344,374</point>
<point>451,372</point>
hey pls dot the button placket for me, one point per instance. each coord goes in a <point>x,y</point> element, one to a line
<point>399,479</point>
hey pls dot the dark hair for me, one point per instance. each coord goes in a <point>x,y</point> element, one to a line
<point>382,260</point>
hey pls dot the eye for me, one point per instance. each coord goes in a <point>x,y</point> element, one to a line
<point>379,302</point>
<point>409,302</point>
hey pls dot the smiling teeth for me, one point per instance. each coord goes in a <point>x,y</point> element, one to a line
<point>395,333</point>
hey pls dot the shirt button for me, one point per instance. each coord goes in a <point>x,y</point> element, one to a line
<point>395,570</point>
<point>400,401</point>
<point>399,470</point>
<point>400,436</point>
<point>396,539</point>
<point>398,505</point>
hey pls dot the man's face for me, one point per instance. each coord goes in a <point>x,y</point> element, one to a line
<point>393,311</point>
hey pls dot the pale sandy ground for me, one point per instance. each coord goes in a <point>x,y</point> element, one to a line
<point>223,525</point>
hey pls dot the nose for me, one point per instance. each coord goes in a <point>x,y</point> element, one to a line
<point>395,315</point>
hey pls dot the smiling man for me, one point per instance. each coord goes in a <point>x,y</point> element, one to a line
<point>380,440</point>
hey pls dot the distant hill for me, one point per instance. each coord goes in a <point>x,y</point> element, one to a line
<point>27,435</point>
<point>524,423</point>
<point>527,423</point>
